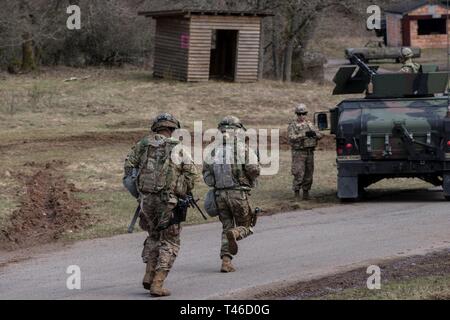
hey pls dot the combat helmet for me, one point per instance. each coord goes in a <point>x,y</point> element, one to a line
<point>165,121</point>
<point>407,53</point>
<point>231,122</point>
<point>301,109</point>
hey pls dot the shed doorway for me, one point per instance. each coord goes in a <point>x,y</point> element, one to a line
<point>223,54</point>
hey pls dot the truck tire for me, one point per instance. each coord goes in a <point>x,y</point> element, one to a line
<point>446,186</point>
<point>348,189</point>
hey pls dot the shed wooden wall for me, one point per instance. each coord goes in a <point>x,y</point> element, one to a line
<point>171,48</point>
<point>248,47</point>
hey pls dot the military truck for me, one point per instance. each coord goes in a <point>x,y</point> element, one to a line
<point>400,129</point>
<point>378,51</point>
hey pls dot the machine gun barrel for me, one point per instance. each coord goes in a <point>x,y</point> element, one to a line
<point>362,65</point>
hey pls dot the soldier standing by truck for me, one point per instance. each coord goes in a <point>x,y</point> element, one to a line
<point>409,66</point>
<point>303,138</point>
<point>163,179</point>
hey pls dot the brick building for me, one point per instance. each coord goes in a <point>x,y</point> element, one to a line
<point>418,24</point>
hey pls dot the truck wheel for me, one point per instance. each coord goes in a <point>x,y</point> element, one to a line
<point>348,189</point>
<point>446,186</point>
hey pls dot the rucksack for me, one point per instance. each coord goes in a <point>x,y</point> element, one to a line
<point>157,172</point>
<point>223,167</point>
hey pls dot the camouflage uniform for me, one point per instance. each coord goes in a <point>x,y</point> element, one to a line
<point>232,185</point>
<point>302,153</point>
<point>409,66</point>
<point>160,184</point>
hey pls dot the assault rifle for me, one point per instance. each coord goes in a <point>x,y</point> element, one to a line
<point>133,221</point>
<point>255,216</point>
<point>180,211</point>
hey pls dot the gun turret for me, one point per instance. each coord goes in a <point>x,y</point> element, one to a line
<point>363,66</point>
<point>387,85</point>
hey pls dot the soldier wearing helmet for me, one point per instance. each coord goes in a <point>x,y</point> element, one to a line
<point>303,138</point>
<point>160,182</point>
<point>231,172</point>
<point>409,66</point>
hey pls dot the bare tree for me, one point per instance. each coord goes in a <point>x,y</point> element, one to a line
<point>36,31</point>
<point>27,24</point>
<point>292,26</point>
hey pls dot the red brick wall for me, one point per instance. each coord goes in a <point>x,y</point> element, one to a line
<point>427,41</point>
<point>394,30</point>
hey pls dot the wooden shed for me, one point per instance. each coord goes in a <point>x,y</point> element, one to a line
<point>198,45</point>
<point>417,24</point>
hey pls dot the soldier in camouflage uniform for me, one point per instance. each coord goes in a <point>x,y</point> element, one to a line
<point>409,66</point>
<point>303,138</point>
<point>232,180</point>
<point>165,175</point>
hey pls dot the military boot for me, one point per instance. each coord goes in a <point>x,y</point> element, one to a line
<point>157,290</point>
<point>297,194</point>
<point>226,265</point>
<point>306,195</point>
<point>148,277</point>
<point>232,242</point>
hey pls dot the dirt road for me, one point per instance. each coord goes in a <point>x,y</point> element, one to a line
<point>290,246</point>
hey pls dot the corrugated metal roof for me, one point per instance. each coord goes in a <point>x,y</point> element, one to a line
<point>184,12</point>
<point>405,8</point>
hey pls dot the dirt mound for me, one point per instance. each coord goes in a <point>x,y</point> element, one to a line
<point>47,210</point>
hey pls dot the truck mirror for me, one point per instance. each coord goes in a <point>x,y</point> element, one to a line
<point>322,121</point>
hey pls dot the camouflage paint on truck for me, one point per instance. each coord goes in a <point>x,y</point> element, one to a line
<point>381,136</point>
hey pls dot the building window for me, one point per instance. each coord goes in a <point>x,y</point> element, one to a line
<point>432,26</point>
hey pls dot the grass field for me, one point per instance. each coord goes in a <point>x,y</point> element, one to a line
<point>89,125</point>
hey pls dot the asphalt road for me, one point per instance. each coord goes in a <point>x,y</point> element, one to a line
<point>290,246</point>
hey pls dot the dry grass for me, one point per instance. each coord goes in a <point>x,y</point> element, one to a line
<point>49,112</point>
<point>421,288</point>
<point>45,105</point>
